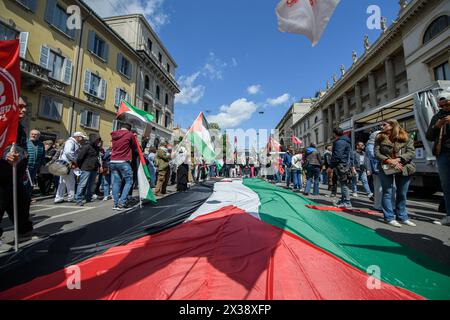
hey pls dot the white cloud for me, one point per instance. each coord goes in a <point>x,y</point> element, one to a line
<point>280,100</point>
<point>213,69</point>
<point>254,89</point>
<point>190,92</point>
<point>233,115</point>
<point>151,9</point>
<point>234,62</point>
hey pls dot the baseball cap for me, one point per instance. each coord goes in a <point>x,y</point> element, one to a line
<point>444,95</point>
<point>79,134</point>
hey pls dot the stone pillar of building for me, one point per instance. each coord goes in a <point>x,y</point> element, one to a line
<point>358,99</point>
<point>330,124</point>
<point>325,124</point>
<point>372,90</point>
<point>337,113</point>
<point>346,106</point>
<point>390,77</point>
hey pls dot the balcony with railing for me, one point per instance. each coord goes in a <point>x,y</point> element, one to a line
<point>33,75</point>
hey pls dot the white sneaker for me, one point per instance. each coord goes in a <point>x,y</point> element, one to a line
<point>94,197</point>
<point>446,221</point>
<point>394,223</point>
<point>355,194</point>
<point>409,223</point>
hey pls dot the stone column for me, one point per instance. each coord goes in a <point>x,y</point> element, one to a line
<point>390,78</point>
<point>337,113</point>
<point>358,99</point>
<point>330,124</point>
<point>346,106</point>
<point>372,90</point>
<point>325,123</point>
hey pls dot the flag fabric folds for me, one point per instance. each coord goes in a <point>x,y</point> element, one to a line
<point>296,140</point>
<point>200,138</point>
<point>130,113</point>
<point>144,177</point>
<point>307,17</point>
<point>9,92</point>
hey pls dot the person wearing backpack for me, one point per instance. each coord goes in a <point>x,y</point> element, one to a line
<point>341,161</point>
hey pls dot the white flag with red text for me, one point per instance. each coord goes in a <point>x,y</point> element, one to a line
<point>307,17</point>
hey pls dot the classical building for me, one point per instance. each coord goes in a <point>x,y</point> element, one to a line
<point>155,83</point>
<point>411,54</point>
<point>72,80</point>
<point>292,116</point>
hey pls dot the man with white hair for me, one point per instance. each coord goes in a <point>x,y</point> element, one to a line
<point>69,155</point>
<point>36,157</point>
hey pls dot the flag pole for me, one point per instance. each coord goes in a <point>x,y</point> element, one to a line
<point>16,214</point>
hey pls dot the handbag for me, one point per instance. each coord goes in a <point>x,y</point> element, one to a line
<point>59,168</point>
<point>389,170</point>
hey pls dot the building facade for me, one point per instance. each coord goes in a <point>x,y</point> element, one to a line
<point>155,84</point>
<point>286,126</point>
<point>72,79</point>
<point>410,55</point>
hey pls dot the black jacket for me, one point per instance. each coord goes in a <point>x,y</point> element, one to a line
<point>88,157</point>
<point>433,134</point>
<point>342,152</point>
<point>21,149</point>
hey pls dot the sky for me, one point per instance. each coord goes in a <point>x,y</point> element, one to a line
<point>233,63</point>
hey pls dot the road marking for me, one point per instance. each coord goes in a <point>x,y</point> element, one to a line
<point>49,207</point>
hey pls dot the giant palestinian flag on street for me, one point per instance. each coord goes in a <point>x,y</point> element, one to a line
<point>231,239</point>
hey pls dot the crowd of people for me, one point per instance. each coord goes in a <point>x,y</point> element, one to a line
<point>384,166</point>
<point>80,170</point>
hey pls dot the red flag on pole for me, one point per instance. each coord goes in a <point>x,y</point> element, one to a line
<point>9,92</point>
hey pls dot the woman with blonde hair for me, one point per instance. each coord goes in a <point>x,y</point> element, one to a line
<point>394,150</point>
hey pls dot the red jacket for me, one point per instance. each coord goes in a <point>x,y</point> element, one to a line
<point>123,145</point>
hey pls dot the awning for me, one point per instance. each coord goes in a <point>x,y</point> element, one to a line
<point>393,109</point>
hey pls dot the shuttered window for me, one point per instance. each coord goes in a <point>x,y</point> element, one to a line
<point>51,108</point>
<point>90,119</point>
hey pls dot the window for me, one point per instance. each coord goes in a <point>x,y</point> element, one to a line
<point>59,66</point>
<point>157,116</point>
<point>167,99</point>
<point>123,65</point>
<point>29,4</point>
<point>121,95</point>
<point>145,106</point>
<point>316,119</point>
<point>168,68</point>
<point>167,120</point>
<point>149,45</point>
<point>442,72</point>
<point>436,27</point>
<point>94,85</point>
<point>55,65</point>
<point>50,108</point>
<point>158,92</point>
<point>57,17</point>
<point>147,83</point>
<point>160,57</point>
<point>98,46</point>
<point>7,33</point>
<point>90,119</point>
<point>316,132</point>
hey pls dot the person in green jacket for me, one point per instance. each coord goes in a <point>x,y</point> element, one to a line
<point>162,162</point>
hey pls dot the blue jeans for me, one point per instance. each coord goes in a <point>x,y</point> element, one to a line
<point>106,182</point>
<point>313,175</point>
<point>443,162</point>
<point>121,171</point>
<point>86,186</point>
<point>287,172</point>
<point>402,184</point>
<point>361,176</point>
<point>297,178</point>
